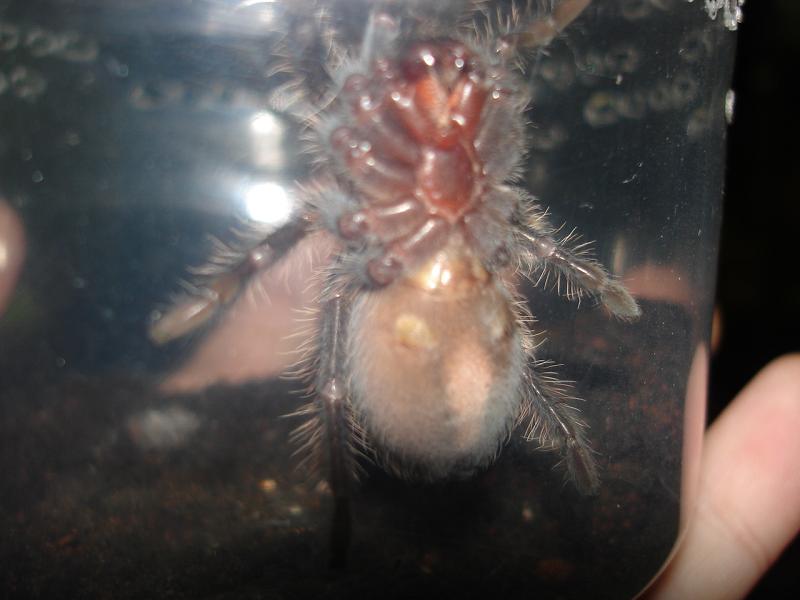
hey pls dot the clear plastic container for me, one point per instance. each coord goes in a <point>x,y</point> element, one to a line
<point>133,131</point>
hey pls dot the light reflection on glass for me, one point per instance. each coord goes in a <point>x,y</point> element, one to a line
<point>266,135</point>
<point>268,202</point>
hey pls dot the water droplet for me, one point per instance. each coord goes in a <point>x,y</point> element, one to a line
<point>27,83</point>
<point>9,36</point>
<point>72,138</point>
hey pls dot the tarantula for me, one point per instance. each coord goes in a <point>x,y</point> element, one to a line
<point>423,355</point>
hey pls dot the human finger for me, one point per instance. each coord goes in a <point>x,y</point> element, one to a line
<point>748,506</point>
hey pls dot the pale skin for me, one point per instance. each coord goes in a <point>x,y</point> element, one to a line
<point>748,506</point>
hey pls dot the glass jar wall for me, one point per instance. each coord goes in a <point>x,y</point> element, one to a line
<point>131,132</point>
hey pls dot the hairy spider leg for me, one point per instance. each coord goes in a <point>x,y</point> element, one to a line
<point>556,424</point>
<point>222,280</point>
<point>540,32</point>
<point>583,274</point>
<point>336,420</point>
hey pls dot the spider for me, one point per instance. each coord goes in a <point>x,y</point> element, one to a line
<point>423,355</point>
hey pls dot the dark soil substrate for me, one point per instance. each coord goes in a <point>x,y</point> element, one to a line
<point>92,508</point>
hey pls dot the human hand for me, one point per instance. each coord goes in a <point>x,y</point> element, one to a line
<point>748,504</point>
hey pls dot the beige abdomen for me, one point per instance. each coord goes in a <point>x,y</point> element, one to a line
<point>436,373</point>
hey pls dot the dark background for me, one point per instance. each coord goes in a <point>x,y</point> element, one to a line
<point>759,288</point>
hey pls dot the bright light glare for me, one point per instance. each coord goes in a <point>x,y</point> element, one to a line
<point>266,132</point>
<point>266,11</point>
<point>265,123</point>
<point>268,202</point>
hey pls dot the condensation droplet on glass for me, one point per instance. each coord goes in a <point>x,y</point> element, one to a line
<point>9,37</point>
<point>87,80</point>
<point>27,83</point>
<point>684,89</point>
<point>156,94</point>
<point>660,97</point>
<point>211,94</point>
<point>558,73</point>
<point>538,174</point>
<point>623,58</point>
<point>698,123</point>
<point>633,10</point>
<point>664,4</point>
<point>632,105</point>
<point>548,138</point>
<point>695,46</point>
<point>40,43</point>
<point>61,362</point>
<point>243,99</point>
<point>37,177</point>
<point>731,11</point>
<point>77,48</point>
<point>117,68</point>
<point>78,283</point>
<point>72,138</point>
<point>599,110</point>
<point>730,105</point>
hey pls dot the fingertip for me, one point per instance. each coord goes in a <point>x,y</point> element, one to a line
<point>749,496</point>
<point>783,371</point>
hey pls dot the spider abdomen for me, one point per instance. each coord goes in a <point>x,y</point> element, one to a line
<point>436,366</point>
